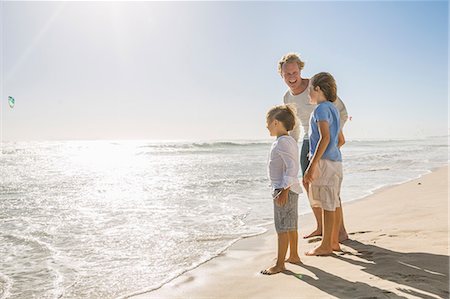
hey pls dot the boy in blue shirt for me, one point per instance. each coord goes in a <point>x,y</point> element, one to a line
<point>324,174</point>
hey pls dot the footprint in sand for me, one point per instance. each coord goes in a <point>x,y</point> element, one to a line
<point>360,232</point>
<point>366,253</point>
<point>410,277</point>
<point>314,240</point>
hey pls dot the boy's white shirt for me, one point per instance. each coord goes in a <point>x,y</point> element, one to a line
<point>304,110</point>
<point>283,165</point>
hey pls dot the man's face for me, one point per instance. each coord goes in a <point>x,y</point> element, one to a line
<point>291,75</point>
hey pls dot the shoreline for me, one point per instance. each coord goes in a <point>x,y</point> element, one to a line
<point>183,280</point>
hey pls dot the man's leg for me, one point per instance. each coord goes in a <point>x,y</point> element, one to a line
<point>318,231</point>
<point>337,225</point>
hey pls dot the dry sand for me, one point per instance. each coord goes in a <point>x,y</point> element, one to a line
<point>398,248</point>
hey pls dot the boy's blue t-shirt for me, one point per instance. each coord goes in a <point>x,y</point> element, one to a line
<point>325,111</point>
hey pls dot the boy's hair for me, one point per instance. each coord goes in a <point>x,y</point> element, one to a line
<point>286,114</point>
<point>290,57</point>
<point>327,84</point>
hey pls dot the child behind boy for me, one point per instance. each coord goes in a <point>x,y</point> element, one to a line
<point>283,168</point>
<point>324,174</point>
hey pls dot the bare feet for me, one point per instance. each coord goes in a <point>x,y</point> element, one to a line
<point>343,235</point>
<point>336,247</point>
<point>316,233</point>
<point>319,251</point>
<point>273,270</point>
<point>294,260</point>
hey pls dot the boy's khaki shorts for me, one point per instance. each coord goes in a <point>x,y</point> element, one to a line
<point>325,190</point>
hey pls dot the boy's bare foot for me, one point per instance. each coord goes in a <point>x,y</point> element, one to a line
<point>316,233</point>
<point>294,260</point>
<point>343,236</point>
<point>336,248</point>
<point>319,251</point>
<point>272,270</point>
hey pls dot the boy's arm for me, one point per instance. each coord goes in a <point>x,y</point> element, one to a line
<point>292,168</point>
<point>324,140</point>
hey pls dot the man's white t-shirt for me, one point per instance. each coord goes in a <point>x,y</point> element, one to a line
<point>304,110</point>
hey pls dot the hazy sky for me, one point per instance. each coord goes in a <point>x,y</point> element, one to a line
<point>208,70</point>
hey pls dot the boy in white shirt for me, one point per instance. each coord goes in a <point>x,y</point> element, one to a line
<point>283,168</point>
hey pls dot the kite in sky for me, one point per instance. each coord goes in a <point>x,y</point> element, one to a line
<point>11,101</point>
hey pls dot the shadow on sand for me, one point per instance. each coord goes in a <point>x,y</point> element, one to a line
<point>422,271</point>
<point>427,274</point>
<point>339,287</point>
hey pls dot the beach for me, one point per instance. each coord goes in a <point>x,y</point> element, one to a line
<point>398,248</point>
<point>140,147</point>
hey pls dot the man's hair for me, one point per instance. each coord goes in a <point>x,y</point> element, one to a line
<point>327,84</point>
<point>290,57</point>
<point>286,114</point>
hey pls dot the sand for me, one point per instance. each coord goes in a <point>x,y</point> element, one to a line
<point>398,248</point>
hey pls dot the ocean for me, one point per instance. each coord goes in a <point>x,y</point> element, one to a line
<point>109,219</point>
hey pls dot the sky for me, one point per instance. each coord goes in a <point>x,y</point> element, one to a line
<point>208,70</point>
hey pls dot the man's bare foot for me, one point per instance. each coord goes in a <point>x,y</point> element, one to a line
<point>343,236</point>
<point>272,270</point>
<point>319,251</point>
<point>316,233</point>
<point>294,260</point>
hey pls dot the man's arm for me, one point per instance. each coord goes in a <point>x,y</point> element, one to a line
<point>343,117</point>
<point>343,114</point>
<point>295,133</point>
<point>341,139</point>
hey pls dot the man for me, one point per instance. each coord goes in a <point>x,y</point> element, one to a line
<point>290,67</point>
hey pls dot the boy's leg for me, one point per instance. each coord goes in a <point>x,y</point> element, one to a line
<point>325,246</point>
<point>293,245</point>
<point>342,231</point>
<point>318,232</point>
<point>283,242</point>
<point>336,229</point>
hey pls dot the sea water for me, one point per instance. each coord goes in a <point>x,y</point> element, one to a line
<point>108,219</point>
